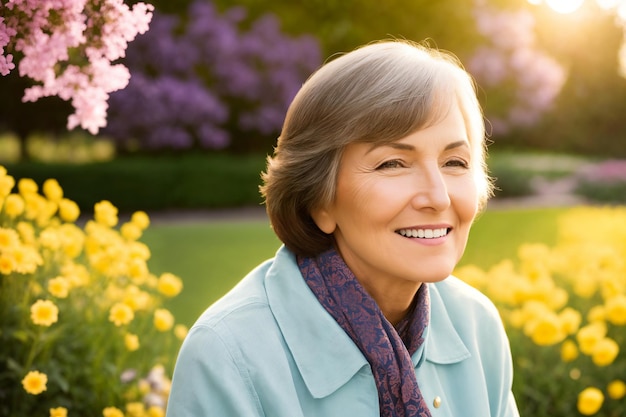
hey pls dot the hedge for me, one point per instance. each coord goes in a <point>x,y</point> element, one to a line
<point>215,180</point>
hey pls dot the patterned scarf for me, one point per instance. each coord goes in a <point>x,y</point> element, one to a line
<point>387,349</point>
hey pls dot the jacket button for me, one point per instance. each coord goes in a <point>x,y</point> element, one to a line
<point>437,402</point>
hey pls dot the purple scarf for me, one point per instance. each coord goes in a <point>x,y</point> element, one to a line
<point>387,349</point>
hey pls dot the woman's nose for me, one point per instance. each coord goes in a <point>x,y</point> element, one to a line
<point>431,190</point>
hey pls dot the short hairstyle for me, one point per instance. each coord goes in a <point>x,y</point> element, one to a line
<point>378,93</point>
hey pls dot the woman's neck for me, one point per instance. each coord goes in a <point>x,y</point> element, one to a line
<point>394,302</point>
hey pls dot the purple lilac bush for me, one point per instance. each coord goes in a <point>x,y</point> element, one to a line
<point>603,182</point>
<point>605,172</point>
<point>209,80</point>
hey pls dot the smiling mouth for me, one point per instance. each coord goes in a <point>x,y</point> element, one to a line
<point>424,233</point>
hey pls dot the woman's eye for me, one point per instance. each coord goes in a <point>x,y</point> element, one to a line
<point>457,163</point>
<point>394,163</point>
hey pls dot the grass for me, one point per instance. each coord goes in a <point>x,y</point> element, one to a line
<point>497,234</point>
<point>211,257</point>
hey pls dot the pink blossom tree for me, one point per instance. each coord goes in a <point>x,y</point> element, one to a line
<point>521,80</point>
<point>68,49</point>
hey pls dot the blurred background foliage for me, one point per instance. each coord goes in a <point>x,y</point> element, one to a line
<point>211,81</point>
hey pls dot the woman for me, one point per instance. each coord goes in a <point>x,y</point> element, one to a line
<point>374,184</point>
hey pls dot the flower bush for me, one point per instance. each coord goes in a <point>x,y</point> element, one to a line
<point>564,307</point>
<point>85,328</point>
<point>604,182</point>
<point>67,48</point>
<point>210,79</point>
<point>522,81</point>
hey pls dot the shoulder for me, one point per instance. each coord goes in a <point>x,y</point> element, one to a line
<point>241,310</point>
<point>248,294</point>
<point>458,296</point>
<point>244,316</point>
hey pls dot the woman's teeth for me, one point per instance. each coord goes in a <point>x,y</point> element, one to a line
<point>424,233</point>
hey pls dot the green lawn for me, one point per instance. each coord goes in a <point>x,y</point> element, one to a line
<point>211,257</point>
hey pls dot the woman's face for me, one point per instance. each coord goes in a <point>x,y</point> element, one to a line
<point>403,211</point>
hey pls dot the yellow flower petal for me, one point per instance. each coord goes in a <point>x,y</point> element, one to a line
<point>44,313</point>
<point>35,382</point>
<point>590,401</point>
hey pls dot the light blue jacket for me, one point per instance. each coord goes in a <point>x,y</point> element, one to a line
<point>268,348</point>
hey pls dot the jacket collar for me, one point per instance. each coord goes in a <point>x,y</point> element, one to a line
<point>324,354</point>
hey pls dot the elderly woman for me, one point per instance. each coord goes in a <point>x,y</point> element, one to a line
<point>377,177</point>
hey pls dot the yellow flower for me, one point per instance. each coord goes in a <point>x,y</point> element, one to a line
<point>569,351</point>
<point>135,409</point>
<point>13,205</point>
<point>169,285</point>
<point>47,209</point>
<point>7,183</point>
<point>44,313</point>
<point>131,341</point>
<point>615,309</point>
<point>556,297</point>
<point>570,320</point>
<point>52,190</point>
<point>589,335</point>
<point>8,238</point>
<point>49,238</point>
<point>121,314</point>
<point>137,269</point>
<point>596,313</point>
<point>130,231</point>
<point>163,320</point>
<point>605,352</point>
<point>35,382</point>
<point>27,186</point>
<point>26,232</point>
<point>473,275</point>
<point>612,285</point>
<point>585,285</point>
<point>135,298</point>
<point>68,210</point>
<point>105,213</point>
<point>59,287</point>
<point>58,412</point>
<point>545,330</point>
<point>33,205</point>
<point>77,274</point>
<point>180,331</point>
<point>112,412</point>
<point>155,411</point>
<point>616,389</point>
<point>7,264</point>
<point>516,318</point>
<point>27,259</point>
<point>140,219</point>
<point>138,250</point>
<point>72,239</point>
<point>589,401</point>
<point>144,386</point>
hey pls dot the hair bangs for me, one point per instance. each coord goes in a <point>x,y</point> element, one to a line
<point>410,104</point>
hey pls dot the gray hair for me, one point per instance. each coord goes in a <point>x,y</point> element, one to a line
<point>377,94</point>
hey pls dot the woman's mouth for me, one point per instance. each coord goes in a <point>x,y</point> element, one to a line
<point>424,233</point>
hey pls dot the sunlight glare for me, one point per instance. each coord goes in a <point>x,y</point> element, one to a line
<point>608,4</point>
<point>564,6</point>
<point>621,11</point>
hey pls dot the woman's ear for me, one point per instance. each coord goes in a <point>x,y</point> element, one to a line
<point>324,219</point>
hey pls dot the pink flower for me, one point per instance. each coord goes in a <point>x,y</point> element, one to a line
<point>513,67</point>
<point>98,31</point>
